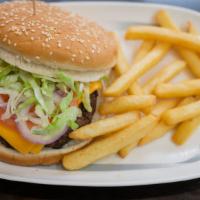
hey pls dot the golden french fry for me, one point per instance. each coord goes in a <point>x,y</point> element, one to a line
<point>185,130</point>
<point>122,65</point>
<point>164,35</point>
<point>135,89</point>
<point>157,132</point>
<point>156,111</point>
<point>104,126</point>
<point>100,148</point>
<point>183,89</point>
<point>192,58</point>
<point>186,101</point>
<point>161,129</point>
<point>163,106</point>
<point>164,75</point>
<point>182,113</point>
<point>122,83</point>
<point>126,104</point>
<point>192,29</point>
<point>143,50</point>
<point>126,150</point>
<point>163,19</point>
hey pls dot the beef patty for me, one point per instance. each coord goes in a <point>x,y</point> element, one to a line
<point>86,118</point>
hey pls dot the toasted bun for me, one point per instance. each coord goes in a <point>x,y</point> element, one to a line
<point>83,76</point>
<point>54,39</point>
<point>46,157</point>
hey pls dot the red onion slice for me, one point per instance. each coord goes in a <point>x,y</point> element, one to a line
<point>3,105</point>
<point>57,98</point>
<point>39,139</point>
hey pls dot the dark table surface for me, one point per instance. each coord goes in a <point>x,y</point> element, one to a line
<point>188,190</point>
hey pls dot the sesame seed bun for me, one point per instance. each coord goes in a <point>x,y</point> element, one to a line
<point>54,40</point>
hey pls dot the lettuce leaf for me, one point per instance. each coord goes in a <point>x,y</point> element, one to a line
<point>66,101</point>
<point>60,121</point>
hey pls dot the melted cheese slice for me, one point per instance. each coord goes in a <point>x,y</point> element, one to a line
<point>15,139</point>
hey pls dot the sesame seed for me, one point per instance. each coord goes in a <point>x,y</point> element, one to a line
<point>59,44</point>
<point>87,58</point>
<point>4,39</point>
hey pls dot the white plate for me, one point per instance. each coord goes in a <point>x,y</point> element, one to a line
<point>159,162</point>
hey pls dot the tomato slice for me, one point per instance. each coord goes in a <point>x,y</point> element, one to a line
<point>75,102</point>
<point>5,97</point>
<point>8,122</point>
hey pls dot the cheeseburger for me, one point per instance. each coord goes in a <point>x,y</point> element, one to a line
<point>51,67</point>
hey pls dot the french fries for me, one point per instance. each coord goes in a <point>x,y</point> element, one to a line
<point>122,65</point>
<point>192,58</point>
<point>106,146</point>
<point>126,150</point>
<point>156,111</point>
<point>161,128</point>
<point>122,83</point>
<point>157,132</point>
<point>182,113</point>
<point>192,29</point>
<point>158,104</point>
<point>135,89</point>
<point>163,19</point>
<point>104,126</point>
<point>185,130</point>
<point>127,103</point>
<point>164,35</point>
<point>186,101</point>
<point>183,89</point>
<point>163,106</point>
<point>164,75</point>
<point>143,50</point>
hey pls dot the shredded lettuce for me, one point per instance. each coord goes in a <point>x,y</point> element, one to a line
<point>66,101</point>
<point>25,104</point>
<point>41,114</point>
<point>38,94</point>
<point>62,87</point>
<point>59,122</point>
<point>47,88</point>
<point>26,90</point>
<point>67,80</point>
